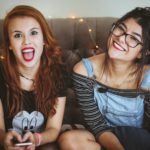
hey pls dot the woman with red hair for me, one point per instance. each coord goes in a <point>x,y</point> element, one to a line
<point>32,87</point>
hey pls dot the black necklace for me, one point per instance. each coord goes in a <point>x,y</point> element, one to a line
<point>26,77</point>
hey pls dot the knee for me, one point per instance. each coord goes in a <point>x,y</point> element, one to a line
<point>66,141</point>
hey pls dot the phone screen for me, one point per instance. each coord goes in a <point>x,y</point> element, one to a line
<point>23,144</point>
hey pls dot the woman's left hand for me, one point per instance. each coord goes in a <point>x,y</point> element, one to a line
<point>29,136</point>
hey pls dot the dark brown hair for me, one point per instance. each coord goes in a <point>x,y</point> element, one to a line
<point>142,17</point>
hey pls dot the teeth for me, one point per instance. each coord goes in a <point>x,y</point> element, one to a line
<point>28,50</point>
<point>119,47</point>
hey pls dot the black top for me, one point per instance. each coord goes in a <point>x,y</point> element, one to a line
<point>29,118</point>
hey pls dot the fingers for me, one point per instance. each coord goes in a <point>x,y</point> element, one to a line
<point>12,135</point>
<point>28,136</point>
<point>9,138</point>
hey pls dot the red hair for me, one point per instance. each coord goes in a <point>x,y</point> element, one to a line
<point>49,73</point>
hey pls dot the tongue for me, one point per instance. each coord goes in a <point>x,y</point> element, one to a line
<point>28,56</point>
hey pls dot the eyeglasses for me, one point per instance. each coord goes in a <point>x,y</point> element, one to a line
<point>131,41</point>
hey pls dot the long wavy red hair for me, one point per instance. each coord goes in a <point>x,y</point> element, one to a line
<point>49,75</point>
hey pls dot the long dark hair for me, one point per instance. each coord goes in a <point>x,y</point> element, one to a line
<point>49,75</point>
<point>142,17</point>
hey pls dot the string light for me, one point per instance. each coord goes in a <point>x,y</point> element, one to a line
<point>81,20</point>
<point>1,57</point>
<point>73,17</point>
<point>90,30</point>
<point>96,46</point>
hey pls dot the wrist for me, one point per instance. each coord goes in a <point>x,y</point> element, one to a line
<point>38,139</point>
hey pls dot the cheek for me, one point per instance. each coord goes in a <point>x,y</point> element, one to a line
<point>109,41</point>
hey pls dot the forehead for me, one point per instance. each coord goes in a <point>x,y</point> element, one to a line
<point>23,22</point>
<point>132,26</point>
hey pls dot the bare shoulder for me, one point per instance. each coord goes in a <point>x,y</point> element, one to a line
<point>80,68</point>
<point>97,59</point>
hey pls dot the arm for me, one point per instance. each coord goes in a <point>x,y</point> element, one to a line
<point>54,123</point>
<point>110,141</point>
<point>2,126</point>
<point>6,138</point>
<point>146,86</point>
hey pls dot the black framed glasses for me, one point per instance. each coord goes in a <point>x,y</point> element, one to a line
<point>131,41</point>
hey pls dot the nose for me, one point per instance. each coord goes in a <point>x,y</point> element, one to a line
<point>122,39</point>
<point>26,40</point>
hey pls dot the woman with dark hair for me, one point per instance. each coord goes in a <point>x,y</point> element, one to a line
<point>113,90</point>
<point>32,84</point>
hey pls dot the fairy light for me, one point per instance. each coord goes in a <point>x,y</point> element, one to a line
<point>81,20</point>
<point>1,57</point>
<point>96,46</point>
<point>73,17</point>
<point>90,30</point>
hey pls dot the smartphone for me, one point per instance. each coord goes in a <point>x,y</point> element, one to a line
<point>23,144</point>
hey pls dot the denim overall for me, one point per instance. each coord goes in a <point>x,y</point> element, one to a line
<point>118,107</point>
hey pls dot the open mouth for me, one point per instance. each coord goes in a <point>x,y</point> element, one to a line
<point>28,53</point>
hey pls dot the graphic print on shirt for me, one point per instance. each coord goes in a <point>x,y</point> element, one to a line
<point>25,121</point>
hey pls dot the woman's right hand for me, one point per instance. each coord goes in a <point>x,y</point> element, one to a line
<point>9,138</point>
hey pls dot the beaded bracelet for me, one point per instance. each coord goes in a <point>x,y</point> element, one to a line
<point>38,138</point>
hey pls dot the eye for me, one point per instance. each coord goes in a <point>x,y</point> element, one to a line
<point>18,35</point>
<point>134,38</point>
<point>34,33</point>
<point>121,28</point>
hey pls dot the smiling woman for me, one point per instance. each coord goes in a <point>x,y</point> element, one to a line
<point>112,89</point>
<point>32,84</point>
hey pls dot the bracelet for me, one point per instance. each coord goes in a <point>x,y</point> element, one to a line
<point>38,139</point>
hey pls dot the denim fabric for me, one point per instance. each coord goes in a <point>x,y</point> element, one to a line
<point>118,110</point>
<point>146,81</point>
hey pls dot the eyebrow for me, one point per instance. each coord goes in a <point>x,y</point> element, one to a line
<point>135,33</point>
<point>35,28</point>
<point>21,31</point>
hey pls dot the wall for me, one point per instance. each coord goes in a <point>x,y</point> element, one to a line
<point>78,8</point>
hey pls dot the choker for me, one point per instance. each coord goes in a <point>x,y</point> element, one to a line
<point>26,77</point>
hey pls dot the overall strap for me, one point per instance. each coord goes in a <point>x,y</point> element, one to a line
<point>89,67</point>
<point>146,81</point>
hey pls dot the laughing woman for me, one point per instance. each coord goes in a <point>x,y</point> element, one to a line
<point>32,89</point>
<point>112,89</point>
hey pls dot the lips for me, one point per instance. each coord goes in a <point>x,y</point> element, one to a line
<point>28,53</point>
<point>118,46</point>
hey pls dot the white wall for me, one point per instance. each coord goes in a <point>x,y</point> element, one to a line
<point>78,8</point>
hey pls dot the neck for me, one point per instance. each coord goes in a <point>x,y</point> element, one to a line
<point>25,77</point>
<point>120,69</point>
<point>28,72</point>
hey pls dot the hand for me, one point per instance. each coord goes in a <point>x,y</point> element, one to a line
<point>29,136</point>
<point>8,140</point>
<point>11,135</point>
